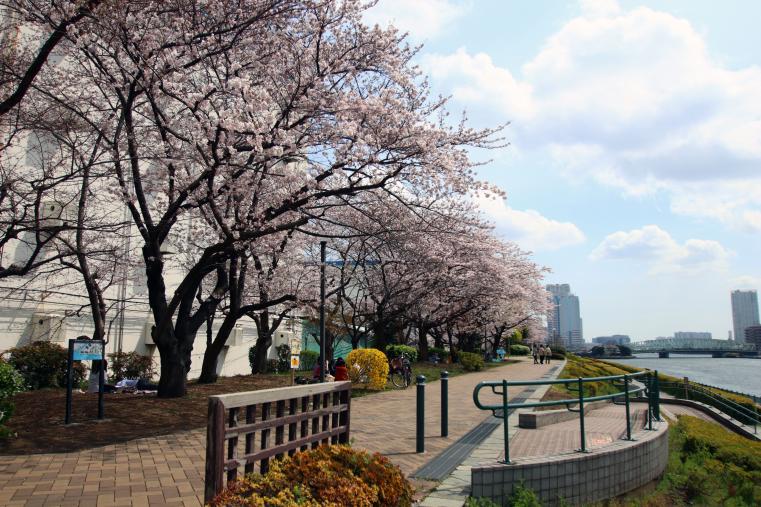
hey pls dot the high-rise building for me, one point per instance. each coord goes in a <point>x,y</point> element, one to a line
<point>744,311</point>
<point>564,323</point>
<point>753,335</point>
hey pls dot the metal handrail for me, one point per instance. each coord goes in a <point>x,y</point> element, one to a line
<point>500,388</point>
<point>728,405</point>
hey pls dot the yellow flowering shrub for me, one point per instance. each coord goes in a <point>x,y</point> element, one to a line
<point>368,366</point>
<point>329,476</point>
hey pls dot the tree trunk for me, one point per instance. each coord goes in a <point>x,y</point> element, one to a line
<point>211,355</point>
<point>422,342</point>
<point>263,343</point>
<point>174,370</point>
<point>210,361</point>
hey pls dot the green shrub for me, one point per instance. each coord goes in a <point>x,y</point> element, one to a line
<point>471,361</point>
<point>439,351</point>
<point>283,357</point>
<point>558,352</point>
<point>308,358</point>
<point>43,364</point>
<point>273,365</point>
<point>11,383</point>
<point>519,350</point>
<point>331,476</point>
<point>393,351</point>
<point>479,502</point>
<point>130,365</point>
<point>524,497</point>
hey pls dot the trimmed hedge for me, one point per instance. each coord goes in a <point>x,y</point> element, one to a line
<point>439,351</point>
<point>44,364</point>
<point>307,360</point>
<point>131,365</point>
<point>519,350</point>
<point>471,361</point>
<point>331,475</point>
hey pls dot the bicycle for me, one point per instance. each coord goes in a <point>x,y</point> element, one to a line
<point>400,371</point>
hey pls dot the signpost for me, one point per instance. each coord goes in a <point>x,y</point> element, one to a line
<point>85,350</point>
<point>295,346</point>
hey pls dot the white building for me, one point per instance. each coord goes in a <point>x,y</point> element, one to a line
<point>744,311</point>
<point>564,323</point>
<point>691,335</point>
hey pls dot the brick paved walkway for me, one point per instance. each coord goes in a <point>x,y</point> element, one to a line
<point>169,470</point>
<point>385,422</point>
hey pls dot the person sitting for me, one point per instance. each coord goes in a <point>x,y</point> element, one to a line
<point>341,372</point>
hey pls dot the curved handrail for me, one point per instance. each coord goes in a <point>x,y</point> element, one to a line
<point>500,388</point>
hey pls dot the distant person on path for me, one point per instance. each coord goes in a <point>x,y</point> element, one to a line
<point>547,354</point>
<point>541,354</point>
<point>535,353</point>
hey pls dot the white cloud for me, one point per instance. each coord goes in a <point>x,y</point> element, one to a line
<point>422,19</point>
<point>746,282</point>
<point>631,99</point>
<point>529,228</point>
<point>600,7</point>
<point>656,247</point>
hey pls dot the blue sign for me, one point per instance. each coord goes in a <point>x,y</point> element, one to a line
<point>87,350</point>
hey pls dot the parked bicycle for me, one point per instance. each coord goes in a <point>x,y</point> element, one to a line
<point>400,371</point>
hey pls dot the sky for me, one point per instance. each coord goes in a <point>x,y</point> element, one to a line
<point>633,169</point>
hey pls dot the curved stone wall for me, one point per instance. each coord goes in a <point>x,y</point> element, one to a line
<point>576,478</point>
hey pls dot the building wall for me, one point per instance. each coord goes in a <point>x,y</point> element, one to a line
<point>55,321</point>
<point>691,335</point>
<point>616,339</point>
<point>744,311</point>
<point>753,335</point>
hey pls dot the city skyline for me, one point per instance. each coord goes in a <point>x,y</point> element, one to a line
<point>633,146</point>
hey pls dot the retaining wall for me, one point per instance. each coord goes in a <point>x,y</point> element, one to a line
<point>576,478</point>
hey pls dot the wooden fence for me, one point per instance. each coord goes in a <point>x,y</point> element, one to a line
<point>299,417</point>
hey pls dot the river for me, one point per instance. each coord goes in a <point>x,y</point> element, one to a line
<point>742,375</point>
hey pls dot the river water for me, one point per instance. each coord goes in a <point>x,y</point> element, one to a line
<point>737,374</point>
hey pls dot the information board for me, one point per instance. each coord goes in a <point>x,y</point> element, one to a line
<point>295,361</point>
<point>295,344</point>
<point>87,350</point>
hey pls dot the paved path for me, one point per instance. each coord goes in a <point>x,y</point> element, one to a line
<point>169,470</point>
<point>385,422</point>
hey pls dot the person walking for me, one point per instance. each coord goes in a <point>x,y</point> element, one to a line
<point>535,353</point>
<point>547,354</point>
<point>541,354</point>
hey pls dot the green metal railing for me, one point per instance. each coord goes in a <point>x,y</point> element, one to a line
<point>649,386</point>
<point>697,392</point>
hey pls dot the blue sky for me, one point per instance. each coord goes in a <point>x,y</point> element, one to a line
<point>634,169</point>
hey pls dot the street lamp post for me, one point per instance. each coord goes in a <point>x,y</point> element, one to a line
<point>322,310</point>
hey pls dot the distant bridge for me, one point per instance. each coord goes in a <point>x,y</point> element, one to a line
<point>717,348</point>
